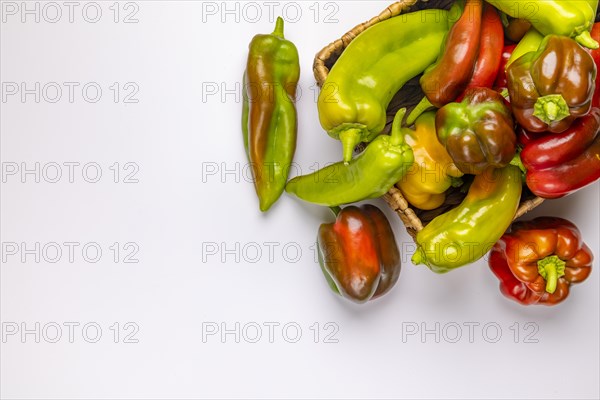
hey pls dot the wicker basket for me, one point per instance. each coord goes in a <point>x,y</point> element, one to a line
<point>413,218</point>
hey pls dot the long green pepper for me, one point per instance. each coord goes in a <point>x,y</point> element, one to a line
<point>573,18</point>
<point>466,233</point>
<point>354,98</point>
<point>269,121</point>
<point>370,175</point>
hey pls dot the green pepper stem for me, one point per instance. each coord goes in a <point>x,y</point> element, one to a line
<point>585,39</point>
<point>336,210</point>
<point>418,257</point>
<point>397,137</point>
<point>551,268</point>
<point>278,28</point>
<point>517,162</point>
<point>551,108</point>
<point>350,139</point>
<point>456,182</point>
<point>419,109</point>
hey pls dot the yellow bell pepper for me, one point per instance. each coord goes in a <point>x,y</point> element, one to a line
<point>433,171</point>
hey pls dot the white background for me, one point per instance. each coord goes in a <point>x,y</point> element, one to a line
<point>182,137</point>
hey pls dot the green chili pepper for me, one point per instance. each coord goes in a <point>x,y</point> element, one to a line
<point>372,69</point>
<point>370,175</point>
<point>573,18</point>
<point>464,234</point>
<point>269,123</point>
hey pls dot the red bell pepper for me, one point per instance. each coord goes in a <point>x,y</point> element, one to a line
<point>510,286</point>
<point>525,137</point>
<point>596,56</point>
<point>560,164</point>
<point>539,260</point>
<point>556,148</point>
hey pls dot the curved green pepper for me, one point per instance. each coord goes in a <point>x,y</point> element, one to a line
<point>370,175</point>
<point>269,123</point>
<point>372,69</point>
<point>530,42</point>
<point>572,18</point>
<point>464,234</point>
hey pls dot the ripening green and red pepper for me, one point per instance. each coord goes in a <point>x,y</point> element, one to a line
<point>539,260</point>
<point>491,46</point>
<point>478,37</point>
<point>552,82</point>
<point>478,132</point>
<point>269,122</point>
<point>358,253</point>
<point>553,86</point>
<point>445,80</point>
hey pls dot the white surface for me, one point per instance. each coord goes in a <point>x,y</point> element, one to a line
<point>175,290</point>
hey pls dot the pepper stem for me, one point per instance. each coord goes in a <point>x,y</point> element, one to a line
<point>585,39</point>
<point>551,108</point>
<point>278,28</point>
<point>336,210</point>
<point>418,257</point>
<point>517,162</point>
<point>419,109</point>
<point>396,136</point>
<point>350,139</point>
<point>551,268</point>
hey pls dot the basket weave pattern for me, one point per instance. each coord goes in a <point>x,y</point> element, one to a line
<point>413,219</point>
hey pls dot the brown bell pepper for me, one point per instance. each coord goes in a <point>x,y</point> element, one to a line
<point>553,86</point>
<point>478,132</point>
<point>358,253</point>
<point>547,255</point>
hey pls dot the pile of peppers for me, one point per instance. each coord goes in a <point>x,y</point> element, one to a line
<point>510,106</point>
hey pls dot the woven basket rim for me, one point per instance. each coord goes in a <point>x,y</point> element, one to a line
<point>394,197</point>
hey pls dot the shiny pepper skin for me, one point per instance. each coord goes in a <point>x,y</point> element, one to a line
<point>478,132</point>
<point>358,253</point>
<point>354,98</point>
<point>370,175</point>
<point>570,18</point>
<point>539,260</point>
<point>433,172</point>
<point>269,120</point>
<point>445,80</point>
<point>553,86</point>
<point>465,234</point>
